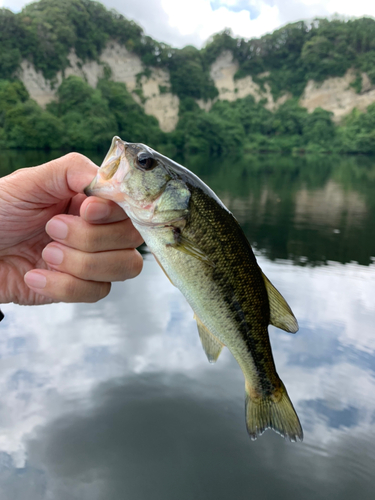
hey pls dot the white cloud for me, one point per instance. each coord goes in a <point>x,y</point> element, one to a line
<point>183,16</point>
<point>185,22</point>
<point>350,8</point>
<point>52,357</point>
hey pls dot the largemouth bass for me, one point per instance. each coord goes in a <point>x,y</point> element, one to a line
<point>204,252</point>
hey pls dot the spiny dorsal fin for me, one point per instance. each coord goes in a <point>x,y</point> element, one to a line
<point>211,345</point>
<point>281,315</point>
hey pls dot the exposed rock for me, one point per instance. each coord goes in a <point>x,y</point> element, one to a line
<point>90,71</point>
<point>366,83</point>
<point>223,71</point>
<point>336,95</point>
<point>40,90</point>
<point>163,105</point>
<point>205,105</point>
<point>124,66</point>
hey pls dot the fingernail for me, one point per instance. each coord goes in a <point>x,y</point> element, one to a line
<point>96,211</point>
<point>57,229</point>
<point>35,279</point>
<point>53,255</point>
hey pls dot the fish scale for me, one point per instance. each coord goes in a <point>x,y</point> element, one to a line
<point>205,254</point>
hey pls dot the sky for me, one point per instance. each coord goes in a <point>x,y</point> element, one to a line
<point>183,22</point>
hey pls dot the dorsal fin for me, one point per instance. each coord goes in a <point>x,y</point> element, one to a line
<point>281,315</point>
<point>211,345</point>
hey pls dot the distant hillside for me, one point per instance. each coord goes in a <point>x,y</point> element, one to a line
<point>327,65</point>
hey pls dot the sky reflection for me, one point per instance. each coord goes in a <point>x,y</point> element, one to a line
<point>94,396</point>
<point>117,399</point>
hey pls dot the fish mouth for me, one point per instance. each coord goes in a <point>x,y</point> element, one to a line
<point>115,166</point>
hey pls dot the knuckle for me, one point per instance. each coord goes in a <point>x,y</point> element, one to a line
<point>128,236</point>
<point>89,240</point>
<point>87,266</point>
<point>139,240</point>
<point>99,291</point>
<point>74,157</point>
<point>77,290</point>
<point>135,264</point>
<point>70,289</point>
<point>136,238</point>
<point>133,235</point>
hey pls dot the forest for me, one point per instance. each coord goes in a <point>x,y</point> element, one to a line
<point>85,118</point>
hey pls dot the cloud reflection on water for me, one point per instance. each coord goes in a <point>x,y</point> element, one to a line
<point>94,394</point>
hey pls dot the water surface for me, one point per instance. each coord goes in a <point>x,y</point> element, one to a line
<point>117,399</point>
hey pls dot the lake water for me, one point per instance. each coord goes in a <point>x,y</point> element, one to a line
<point>116,400</point>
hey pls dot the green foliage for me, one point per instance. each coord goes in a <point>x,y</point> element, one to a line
<point>190,75</point>
<point>85,118</point>
<point>217,44</point>
<point>28,127</point>
<point>357,135</point>
<point>301,51</point>
<point>132,123</point>
<point>357,83</point>
<point>46,32</point>
<point>23,124</point>
<point>11,35</point>
<point>82,117</point>
<point>11,93</point>
<point>319,129</point>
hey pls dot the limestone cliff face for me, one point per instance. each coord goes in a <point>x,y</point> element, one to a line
<point>124,66</point>
<point>223,71</point>
<point>334,94</point>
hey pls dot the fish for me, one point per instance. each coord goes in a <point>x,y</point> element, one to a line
<point>203,251</point>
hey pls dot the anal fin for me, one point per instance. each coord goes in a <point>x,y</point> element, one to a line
<point>211,345</point>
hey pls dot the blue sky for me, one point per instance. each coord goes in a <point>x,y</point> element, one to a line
<point>182,22</point>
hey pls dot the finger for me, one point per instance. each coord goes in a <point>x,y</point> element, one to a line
<point>96,210</point>
<point>76,203</point>
<point>67,175</point>
<point>77,233</point>
<point>117,265</point>
<point>62,287</point>
<point>56,181</point>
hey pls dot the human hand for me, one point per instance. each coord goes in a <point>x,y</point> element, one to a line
<point>56,244</point>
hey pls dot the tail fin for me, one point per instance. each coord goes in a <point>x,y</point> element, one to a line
<point>273,413</point>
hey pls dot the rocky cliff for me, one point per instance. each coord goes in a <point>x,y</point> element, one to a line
<point>334,94</point>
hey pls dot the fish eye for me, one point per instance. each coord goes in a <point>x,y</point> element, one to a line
<point>145,162</point>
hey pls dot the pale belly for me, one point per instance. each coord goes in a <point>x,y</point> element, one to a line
<point>194,279</point>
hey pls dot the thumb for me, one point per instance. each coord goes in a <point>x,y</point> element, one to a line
<point>66,176</point>
<point>54,181</point>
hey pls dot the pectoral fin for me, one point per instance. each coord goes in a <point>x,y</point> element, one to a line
<point>281,315</point>
<point>185,245</point>
<point>211,345</point>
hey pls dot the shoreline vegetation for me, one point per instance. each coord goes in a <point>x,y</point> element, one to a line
<point>84,118</point>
